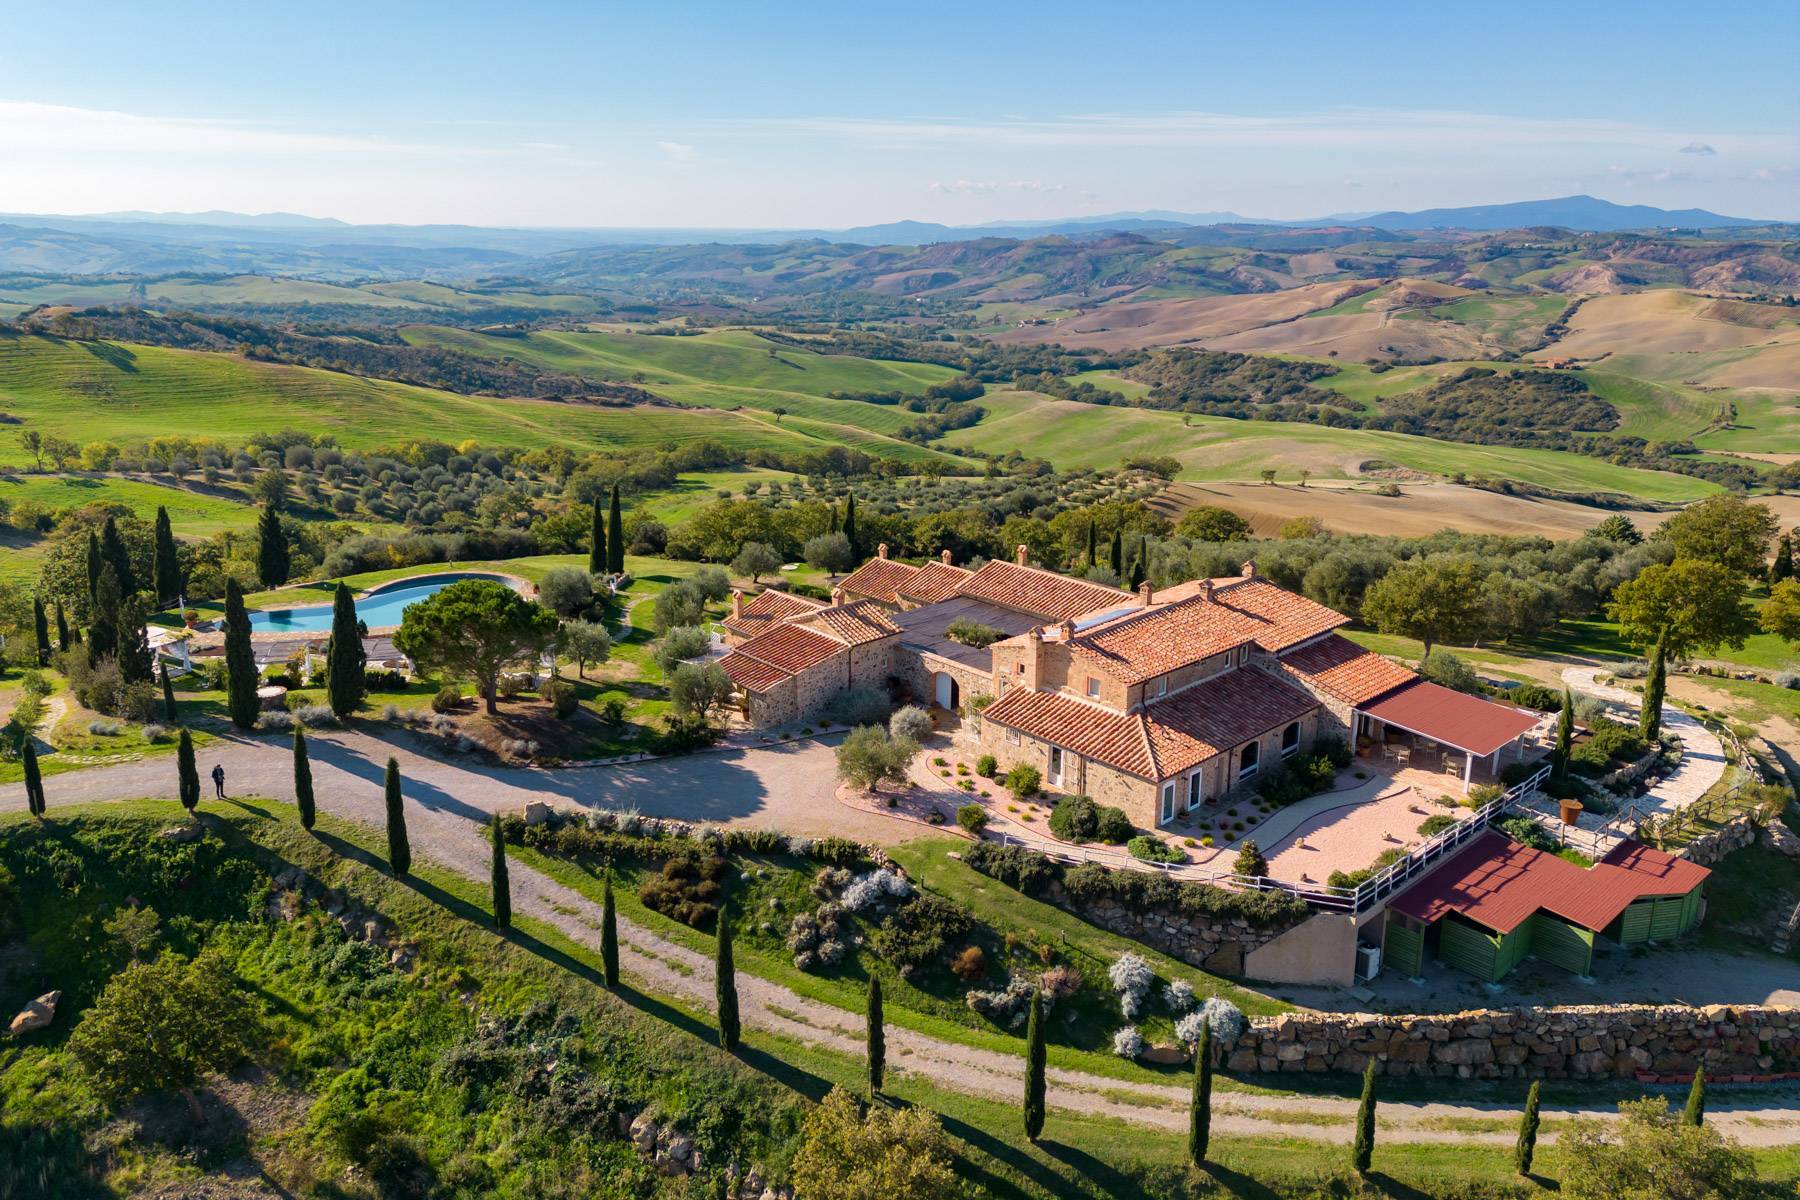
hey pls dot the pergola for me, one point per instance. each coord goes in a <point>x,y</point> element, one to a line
<point>1480,728</point>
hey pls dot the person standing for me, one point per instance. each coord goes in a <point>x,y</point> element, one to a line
<point>218,776</point>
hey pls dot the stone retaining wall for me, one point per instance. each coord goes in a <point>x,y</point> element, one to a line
<point>1734,835</point>
<point>1216,944</point>
<point>1646,1042</point>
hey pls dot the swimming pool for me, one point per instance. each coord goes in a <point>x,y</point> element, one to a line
<point>381,607</point>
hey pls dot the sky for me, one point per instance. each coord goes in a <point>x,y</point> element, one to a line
<point>801,115</point>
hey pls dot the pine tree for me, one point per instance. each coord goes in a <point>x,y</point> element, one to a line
<point>1783,567</point>
<point>136,663</point>
<point>501,885</point>
<point>103,629</point>
<point>93,565</point>
<point>1118,554</point>
<point>1364,1150</point>
<point>399,852</point>
<point>303,788</point>
<point>1695,1112</point>
<point>1092,562</point>
<point>62,627</point>
<point>40,626</point>
<point>1565,734</point>
<point>168,691</point>
<point>34,777</point>
<point>877,1038</point>
<point>272,560</point>
<point>615,536</point>
<point>168,562</point>
<point>609,935</point>
<point>344,657</point>
<point>1200,1110</point>
<point>725,981</point>
<point>241,679</point>
<point>1650,715</point>
<point>1034,1067</point>
<point>187,773</point>
<point>114,553</point>
<point>597,560</point>
<point>1528,1131</point>
<point>850,527</point>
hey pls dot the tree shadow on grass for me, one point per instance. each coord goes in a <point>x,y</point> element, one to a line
<point>1019,1159</point>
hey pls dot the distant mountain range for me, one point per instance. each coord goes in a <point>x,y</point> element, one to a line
<point>290,244</point>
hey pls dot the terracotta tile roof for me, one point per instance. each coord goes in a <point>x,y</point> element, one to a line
<point>879,579</point>
<point>1168,737</point>
<point>1339,667</point>
<point>1500,883</point>
<point>1154,641</point>
<point>1288,618</point>
<point>935,581</point>
<point>1042,593</point>
<point>789,648</point>
<point>1457,719</point>
<point>1210,718</point>
<point>770,607</point>
<point>753,675</point>
<point>858,622</point>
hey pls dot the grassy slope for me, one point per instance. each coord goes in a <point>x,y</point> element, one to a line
<point>1074,435</point>
<point>191,513</point>
<point>118,392</point>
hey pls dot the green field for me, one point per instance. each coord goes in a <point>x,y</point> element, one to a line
<point>1656,411</point>
<point>1766,423</point>
<point>1082,435</point>
<point>191,513</point>
<point>92,391</point>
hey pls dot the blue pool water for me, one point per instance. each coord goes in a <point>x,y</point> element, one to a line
<point>380,608</point>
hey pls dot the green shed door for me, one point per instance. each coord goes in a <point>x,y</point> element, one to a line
<point>1634,924</point>
<point>1690,910</point>
<point>1468,948</point>
<point>1557,941</point>
<point>1404,947</point>
<point>1665,917</point>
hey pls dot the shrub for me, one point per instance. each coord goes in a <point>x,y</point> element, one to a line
<point>919,932</point>
<point>969,964</point>
<point>105,728</point>
<point>680,644</point>
<point>1150,848</point>
<point>859,706</point>
<point>276,720</point>
<point>687,887</point>
<point>1515,773</point>
<point>562,698</point>
<point>911,723</point>
<point>1178,997</point>
<point>448,699</point>
<point>1609,742</point>
<point>566,591</point>
<point>1112,826</point>
<point>1023,870</point>
<point>985,766</point>
<point>1447,670</point>
<point>1131,978</point>
<point>612,711</point>
<point>317,715</point>
<point>1333,749</point>
<point>877,887</point>
<point>1530,695</point>
<point>1436,824</point>
<point>1006,1006</point>
<point>1528,832</point>
<point>972,817</point>
<point>1074,819</point>
<point>1060,982</point>
<point>1250,860</point>
<point>973,633</point>
<point>1023,780</point>
<point>1652,1153</point>
<point>1128,1042</point>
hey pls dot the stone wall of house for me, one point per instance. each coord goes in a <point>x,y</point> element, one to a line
<point>1649,1042</point>
<point>1216,944</point>
<point>918,670</point>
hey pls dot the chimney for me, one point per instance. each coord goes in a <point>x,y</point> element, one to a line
<point>1146,593</point>
<point>737,603</point>
<point>945,556</point>
<point>881,550</point>
<point>1067,629</point>
<point>1206,589</point>
<point>1249,569</point>
<point>837,595</point>
<point>1021,554</point>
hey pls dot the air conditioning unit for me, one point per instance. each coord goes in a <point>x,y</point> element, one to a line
<point>1368,962</point>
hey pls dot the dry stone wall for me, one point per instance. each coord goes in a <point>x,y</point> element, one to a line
<point>1651,1043</point>
<point>1216,944</point>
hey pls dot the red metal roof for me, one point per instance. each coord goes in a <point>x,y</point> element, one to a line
<point>1454,718</point>
<point>1497,882</point>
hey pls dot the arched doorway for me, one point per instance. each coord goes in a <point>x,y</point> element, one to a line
<point>945,693</point>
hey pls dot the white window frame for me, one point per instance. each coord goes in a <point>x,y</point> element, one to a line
<point>1093,687</point>
<point>1196,789</point>
<point>1162,685</point>
<point>1168,802</point>
<point>1288,751</point>
<point>1243,655</point>
<point>1249,772</point>
<point>1057,763</point>
<point>1012,737</point>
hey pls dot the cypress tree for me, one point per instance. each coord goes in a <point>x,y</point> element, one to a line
<point>34,778</point>
<point>1695,1112</point>
<point>168,562</point>
<point>168,690</point>
<point>609,936</point>
<point>834,519</point>
<point>1783,567</point>
<point>113,552</point>
<point>40,625</point>
<point>1118,554</point>
<point>1565,734</point>
<point>615,536</point>
<point>103,629</point>
<point>1034,1068</point>
<point>240,660</point>
<point>399,852</point>
<point>1200,1111</point>
<point>62,627</point>
<point>93,565</point>
<point>271,549</point>
<point>725,981</point>
<point>502,886</point>
<point>1137,571</point>
<point>1650,715</point>
<point>303,789</point>
<point>877,1038</point>
<point>597,560</point>
<point>850,526</point>
<point>1092,562</point>
<point>1528,1131</point>
<point>344,658</point>
<point>136,663</point>
<point>1364,1150</point>
<point>187,774</point>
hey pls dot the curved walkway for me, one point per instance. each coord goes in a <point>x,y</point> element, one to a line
<point>450,803</point>
<point>1702,755</point>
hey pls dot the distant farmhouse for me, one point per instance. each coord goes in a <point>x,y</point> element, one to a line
<point>1154,701</point>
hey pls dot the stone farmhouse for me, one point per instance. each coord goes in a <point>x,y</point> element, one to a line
<point>1154,701</point>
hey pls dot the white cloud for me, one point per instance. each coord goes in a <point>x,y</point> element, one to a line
<point>29,126</point>
<point>679,152</point>
<point>1700,148</point>
<point>971,186</point>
